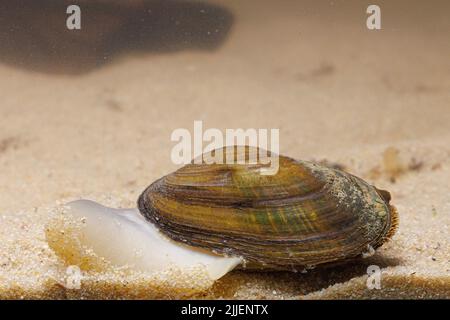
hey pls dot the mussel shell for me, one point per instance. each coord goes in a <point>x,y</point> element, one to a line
<point>304,215</point>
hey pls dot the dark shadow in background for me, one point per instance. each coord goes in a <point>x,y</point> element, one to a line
<point>33,34</point>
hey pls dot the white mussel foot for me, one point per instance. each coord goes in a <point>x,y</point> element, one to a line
<point>124,238</point>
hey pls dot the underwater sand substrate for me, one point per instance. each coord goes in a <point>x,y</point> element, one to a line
<point>346,101</point>
<point>415,263</point>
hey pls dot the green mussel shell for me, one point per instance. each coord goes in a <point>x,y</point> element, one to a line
<point>304,215</point>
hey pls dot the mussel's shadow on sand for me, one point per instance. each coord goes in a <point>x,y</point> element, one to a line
<point>33,34</point>
<point>299,284</point>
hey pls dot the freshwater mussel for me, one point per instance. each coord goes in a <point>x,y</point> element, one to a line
<point>302,216</point>
<point>208,218</point>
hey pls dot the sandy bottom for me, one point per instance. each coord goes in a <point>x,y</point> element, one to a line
<point>376,102</point>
